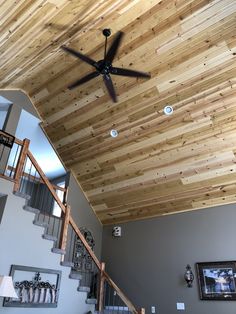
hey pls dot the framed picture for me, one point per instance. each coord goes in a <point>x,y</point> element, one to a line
<point>217,280</point>
<point>6,139</point>
<point>35,287</point>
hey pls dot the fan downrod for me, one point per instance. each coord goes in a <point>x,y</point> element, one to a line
<point>106,32</point>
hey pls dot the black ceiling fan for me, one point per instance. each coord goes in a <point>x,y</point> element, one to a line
<point>104,67</point>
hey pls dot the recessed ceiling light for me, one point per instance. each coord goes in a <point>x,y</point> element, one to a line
<point>168,110</point>
<point>114,133</point>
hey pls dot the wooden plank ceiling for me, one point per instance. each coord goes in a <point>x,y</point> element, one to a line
<point>158,164</point>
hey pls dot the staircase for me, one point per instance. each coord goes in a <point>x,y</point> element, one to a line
<point>31,184</point>
<point>51,228</point>
<point>27,247</point>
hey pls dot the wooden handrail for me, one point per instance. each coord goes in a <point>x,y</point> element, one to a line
<point>46,181</point>
<point>25,174</point>
<point>120,293</point>
<point>19,142</point>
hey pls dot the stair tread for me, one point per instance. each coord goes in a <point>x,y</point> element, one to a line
<point>75,275</point>
<point>58,251</point>
<point>91,301</point>
<point>31,209</point>
<point>67,264</point>
<point>49,237</point>
<point>23,195</point>
<point>40,223</point>
<point>83,289</point>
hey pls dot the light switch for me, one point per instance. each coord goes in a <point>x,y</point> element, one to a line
<point>180,306</point>
<point>153,309</point>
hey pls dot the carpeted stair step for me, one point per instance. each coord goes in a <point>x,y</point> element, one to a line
<point>67,264</point>
<point>75,275</point>
<point>91,301</point>
<point>31,209</point>
<point>23,195</point>
<point>58,251</point>
<point>40,223</point>
<point>83,289</point>
<point>49,237</point>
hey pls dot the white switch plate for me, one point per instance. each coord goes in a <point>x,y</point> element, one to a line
<point>180,306</point>
<point>153,309</point>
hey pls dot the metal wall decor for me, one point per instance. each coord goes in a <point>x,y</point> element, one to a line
<point>35,287</point>
<point>81,259</point>
<point>188,276</point>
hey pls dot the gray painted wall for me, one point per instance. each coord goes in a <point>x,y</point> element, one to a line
<point>83,215</point>
<point>21,243</point>
<point>148,262</point>
<point>19,98</point>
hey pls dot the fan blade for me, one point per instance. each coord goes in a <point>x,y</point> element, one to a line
<point>84,79</point>
<point>80,56</point>
<point>109,85</point>
<point>127,72</point>
<point>114,47</point>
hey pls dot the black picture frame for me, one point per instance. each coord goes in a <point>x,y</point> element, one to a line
<point>217,280</point>
<point>27,276</point>
<point>6,139</point>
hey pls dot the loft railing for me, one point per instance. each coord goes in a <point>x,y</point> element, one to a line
<point>19,165</point>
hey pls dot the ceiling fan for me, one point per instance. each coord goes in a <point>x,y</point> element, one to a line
<point>104,67</point>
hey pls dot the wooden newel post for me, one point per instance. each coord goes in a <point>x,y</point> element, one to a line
<point>64,228</point>
<point>101,288</point>
<point>20,164</point>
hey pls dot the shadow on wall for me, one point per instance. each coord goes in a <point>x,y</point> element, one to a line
<point>3,200</point>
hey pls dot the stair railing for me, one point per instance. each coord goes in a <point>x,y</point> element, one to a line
<point>23,169</point>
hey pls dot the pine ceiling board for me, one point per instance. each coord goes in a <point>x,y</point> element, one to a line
<point>24,34</point>
<point>89,35</point>
<point>159,171</point>
<point>75,106</point>
<point>180,149</point>
<point>66,35</point>
<point>165,205</point>
<point>100,108</point>
<point>105,130</point>
<point>142,144</point>
<point>157,165</point>
<point>104,210</point>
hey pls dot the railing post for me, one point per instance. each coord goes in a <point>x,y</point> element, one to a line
<point>101,288</point>
<point>20,165</point>
<point>64,228</point>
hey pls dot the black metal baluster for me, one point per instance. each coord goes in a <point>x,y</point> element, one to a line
<point>53,225</point>
<point>59,232</point>
<point>5,168</point>
<point>14,161</point>
<point>30,184</point>
<point>38,200</point>
<point>22,180</point>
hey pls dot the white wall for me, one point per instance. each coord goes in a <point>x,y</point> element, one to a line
<point>21,243</point>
